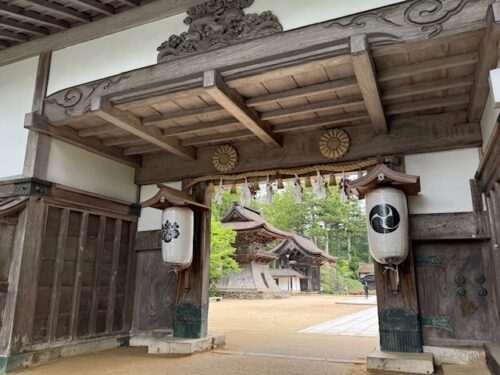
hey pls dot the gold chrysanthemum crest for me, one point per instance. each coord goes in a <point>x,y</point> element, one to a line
<point>225,158</point>
<point>334,143</point>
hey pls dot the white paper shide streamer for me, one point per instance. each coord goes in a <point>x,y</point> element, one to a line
<point>246,194</point>
<point>268,197</point>
<point>298,190</point>
<point>220,193</point>
<point>319,187</point>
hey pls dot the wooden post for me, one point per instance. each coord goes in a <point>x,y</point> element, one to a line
<point>191,311</point>
<point>38,145</point>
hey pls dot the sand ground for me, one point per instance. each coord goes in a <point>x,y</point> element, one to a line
<point>261,337</point>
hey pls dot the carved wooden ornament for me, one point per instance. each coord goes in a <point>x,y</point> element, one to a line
<point>225,158</point>
<point>216,24</point>
<point>334,144</point>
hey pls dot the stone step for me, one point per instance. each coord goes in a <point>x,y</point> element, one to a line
<point>465,370</point>
<point>410,363</point>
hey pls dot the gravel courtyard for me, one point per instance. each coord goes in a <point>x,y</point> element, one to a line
<point>262,338</point>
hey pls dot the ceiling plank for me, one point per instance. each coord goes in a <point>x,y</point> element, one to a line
<point>233,102</point>
<point>28,15</point>
<point>314,107</point>
<point>488,60</point>
<point>427,87</point>
<point>102,108</point>
<point>61,10</point>
<point>165,119</point>
<point>137,16</point>
<point>427,104</point>
<point>404,71</point>
<point>97,6</point>
<point>320,88</point>
<point>129,139</point>
<point>9,35</point>
<point>22,27</point>
<point>365,73</point>
<point>143,149</point>
<point>38,123</point>
<point>215,125</point>
<point>97,130</point>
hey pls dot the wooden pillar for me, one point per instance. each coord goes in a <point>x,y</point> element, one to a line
<point>191,311</point>
<point>38,145</point>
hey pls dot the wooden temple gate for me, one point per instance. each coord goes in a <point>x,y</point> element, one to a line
<point>395,84</point>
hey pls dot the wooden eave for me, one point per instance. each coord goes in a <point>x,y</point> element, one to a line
<point>381,176</point>
<point>267,95</point>
<point>167,197</point>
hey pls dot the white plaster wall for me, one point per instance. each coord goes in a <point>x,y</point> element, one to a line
<point>136,48</point>
<point>17,84</point>
<point>78,168</point>
<point>444,180</point>
<point>492,108</point>
<point>151,217</point>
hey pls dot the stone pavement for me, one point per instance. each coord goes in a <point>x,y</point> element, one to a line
<point>363,323</point>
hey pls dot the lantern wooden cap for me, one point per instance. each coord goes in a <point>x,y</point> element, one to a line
<point>168,197</point>
<point>383,176</point>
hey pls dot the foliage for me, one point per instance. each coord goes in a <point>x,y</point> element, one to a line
<point>221,262</point>
<point>334,282</point>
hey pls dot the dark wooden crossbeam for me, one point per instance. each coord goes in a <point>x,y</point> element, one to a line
<point>30,16</point>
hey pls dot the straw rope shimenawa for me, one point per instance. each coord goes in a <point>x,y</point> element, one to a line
<point>328,168</point>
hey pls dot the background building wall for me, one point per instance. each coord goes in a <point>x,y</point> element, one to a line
<point>17,84</point>
<point>444,180</point>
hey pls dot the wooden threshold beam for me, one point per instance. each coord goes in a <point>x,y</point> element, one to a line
<point>232,101</point>
<point>409,70</point>
<point>38,123</point>
<point>488,60</point>
<point>364,70</point>
<point>422,105</point>
<point>102,108</point>
<point>427,87</point>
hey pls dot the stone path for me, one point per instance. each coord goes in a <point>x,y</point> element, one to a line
<point>363,323</point>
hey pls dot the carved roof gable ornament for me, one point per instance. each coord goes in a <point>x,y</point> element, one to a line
<point>216,24</point>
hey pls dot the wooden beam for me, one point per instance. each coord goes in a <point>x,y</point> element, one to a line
<point>364,69</point>
<point>96,275</point>
<point>152,11</point>
<point>214,126</point>
<point>9,35</point>
<point>319,122</point>
<point>121,141</point>
<point>97,130</point>
<point>55,295</point>
<point>110,313</point>
<point>430,133</point>
<point>30,16</point>
<point>488,60</point>
<point>217,138</point>
<point>232,101</point>
<point>168,118</point>
<point>320,88</point>
<point>422,105</point>
<point>102,108</point>
<point>38,123</point>
<point>427,87</point>
<point>143,149</point>
<point>313,107</point>
<point>61,10</point>
<point>409,70</point>
<point>38,146</point>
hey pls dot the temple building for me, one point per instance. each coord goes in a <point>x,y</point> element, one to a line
<point>301,255</point>
<point>253,233</point>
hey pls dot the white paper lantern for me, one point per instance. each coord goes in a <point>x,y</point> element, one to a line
<point>388,233</point>
<point>177,237</point>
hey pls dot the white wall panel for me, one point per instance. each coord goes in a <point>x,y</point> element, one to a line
<point>78,168</point>
<point>444,179</point>
<point>17,85</point>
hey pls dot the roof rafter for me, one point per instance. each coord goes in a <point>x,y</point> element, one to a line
<point>234,103</point>
<point>103,109</point>
<point>32,16</point>
<point>62,10</point>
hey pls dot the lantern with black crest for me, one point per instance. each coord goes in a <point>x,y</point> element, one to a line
<point>386,206</point>
<point>177,225</point>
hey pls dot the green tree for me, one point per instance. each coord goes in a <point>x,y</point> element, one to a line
<point>221,260</point>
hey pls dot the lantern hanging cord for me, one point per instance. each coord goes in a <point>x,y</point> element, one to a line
<point>332,168</point>
<point>394,268</point>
